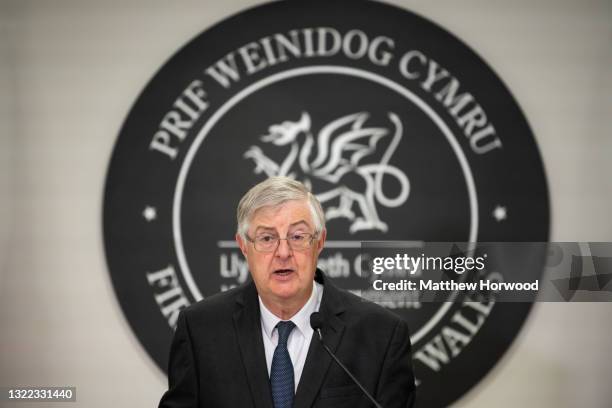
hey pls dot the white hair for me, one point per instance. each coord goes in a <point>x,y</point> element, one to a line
<point>273,192</point>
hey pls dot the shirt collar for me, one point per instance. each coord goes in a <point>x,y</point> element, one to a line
<point>301,319</point>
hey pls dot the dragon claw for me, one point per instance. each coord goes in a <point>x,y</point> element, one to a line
<point>362,224</point>
<point>337,212</point>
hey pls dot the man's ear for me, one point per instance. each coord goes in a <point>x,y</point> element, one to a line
<point>242,244</point>
<point>321,240</point>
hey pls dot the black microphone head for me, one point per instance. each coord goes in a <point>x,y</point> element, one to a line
<point>316,321</point>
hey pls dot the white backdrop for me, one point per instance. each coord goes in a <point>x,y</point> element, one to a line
<point>69,72</point>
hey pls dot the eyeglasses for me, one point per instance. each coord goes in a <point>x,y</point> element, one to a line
<point>268,243</point>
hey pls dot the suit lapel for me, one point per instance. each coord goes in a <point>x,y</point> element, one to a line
<point>247,323</point>
<point>317,359</point>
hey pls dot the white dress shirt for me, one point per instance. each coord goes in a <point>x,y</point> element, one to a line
<point>299,339</point>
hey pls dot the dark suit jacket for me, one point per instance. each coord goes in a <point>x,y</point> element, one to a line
<point>217,358</point>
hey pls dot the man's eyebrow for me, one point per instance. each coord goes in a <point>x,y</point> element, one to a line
<point>299,222</point>
<point>263,227</point>
<point>295,224</point>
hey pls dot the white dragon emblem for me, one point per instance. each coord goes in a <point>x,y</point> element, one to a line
<point>344,154</point>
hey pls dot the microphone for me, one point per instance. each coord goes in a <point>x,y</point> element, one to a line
<point>316,322</point>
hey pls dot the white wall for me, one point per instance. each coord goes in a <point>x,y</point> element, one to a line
<point>69,72</point>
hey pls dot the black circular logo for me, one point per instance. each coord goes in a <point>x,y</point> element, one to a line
<point>400,129</point>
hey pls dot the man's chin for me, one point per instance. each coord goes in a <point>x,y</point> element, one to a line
<point>285,290</point>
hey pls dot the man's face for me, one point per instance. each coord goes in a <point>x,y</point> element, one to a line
<point>284,275</point>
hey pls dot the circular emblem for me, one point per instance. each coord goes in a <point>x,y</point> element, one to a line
<point>401,131</point>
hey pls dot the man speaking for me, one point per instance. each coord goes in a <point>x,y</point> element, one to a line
<point>255,346</point>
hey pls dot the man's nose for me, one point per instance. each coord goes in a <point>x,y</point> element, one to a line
<point>283,250</point>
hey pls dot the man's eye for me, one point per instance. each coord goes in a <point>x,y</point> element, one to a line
<point>298,237</point>
<point>266,239</point>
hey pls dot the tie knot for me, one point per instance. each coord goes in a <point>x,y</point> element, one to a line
<point>284,330</point>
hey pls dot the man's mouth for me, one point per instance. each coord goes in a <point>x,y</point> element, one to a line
<point>283,272</point>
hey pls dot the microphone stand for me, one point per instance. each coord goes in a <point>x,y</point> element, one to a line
<point>376,404</point>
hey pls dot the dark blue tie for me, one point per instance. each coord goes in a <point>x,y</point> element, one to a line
<point>281,373</point>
